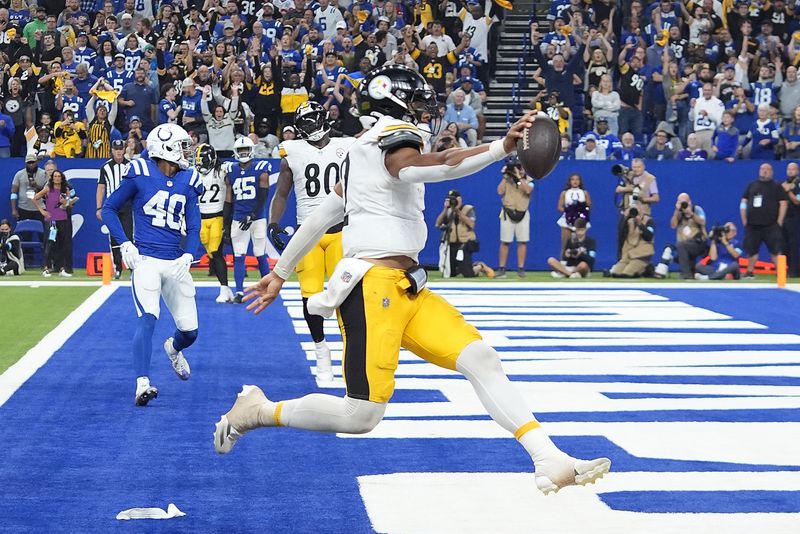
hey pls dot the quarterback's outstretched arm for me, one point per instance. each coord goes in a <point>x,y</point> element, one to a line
<point>409,165</point>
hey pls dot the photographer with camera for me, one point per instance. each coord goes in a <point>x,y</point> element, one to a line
<point>515,188</point>
<point>723,253</point>
<point>24,186</point>
<point>638,189</point>
<point>577,258</point>
<point>11,260</point>
<point>457,223</point>
<point>691,241</point>
<point>637,245</point>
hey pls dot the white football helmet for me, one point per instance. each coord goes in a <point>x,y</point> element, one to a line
<point>243,149</point>
<point>170,142</point>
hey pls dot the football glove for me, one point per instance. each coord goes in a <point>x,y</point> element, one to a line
<point>274,231</point>
<point>130,254</point>
<point>180,266</point>
<point>247,222</point>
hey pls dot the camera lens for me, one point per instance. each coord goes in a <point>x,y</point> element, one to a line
<point>684,205</point>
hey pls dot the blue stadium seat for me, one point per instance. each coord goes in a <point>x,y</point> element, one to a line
<point>31,234</point>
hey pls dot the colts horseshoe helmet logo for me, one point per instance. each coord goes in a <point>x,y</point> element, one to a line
<point>161,132</point>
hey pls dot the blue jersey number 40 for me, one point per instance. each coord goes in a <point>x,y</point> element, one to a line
<point>166,210</point>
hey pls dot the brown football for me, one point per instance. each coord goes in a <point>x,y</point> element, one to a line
<point>540,147</point>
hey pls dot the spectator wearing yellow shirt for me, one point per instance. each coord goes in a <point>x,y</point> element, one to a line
<point>70,135</point>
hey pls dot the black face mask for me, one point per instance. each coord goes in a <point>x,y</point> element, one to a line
<point>4,236</point>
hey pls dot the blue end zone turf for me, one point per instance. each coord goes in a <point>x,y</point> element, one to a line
<point>78,451</point>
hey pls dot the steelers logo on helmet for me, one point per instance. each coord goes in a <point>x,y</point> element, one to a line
<point>380,87</point>
<point>399,92</point>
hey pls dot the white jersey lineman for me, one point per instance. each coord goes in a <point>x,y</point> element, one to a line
<point>315,171</point>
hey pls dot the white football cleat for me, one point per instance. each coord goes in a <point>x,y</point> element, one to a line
<point>225,295</point>
<point>179,363</point>
<point>240,419</point>
<point>551,476</point>
<point>323,354</point>
<point>145,393</point>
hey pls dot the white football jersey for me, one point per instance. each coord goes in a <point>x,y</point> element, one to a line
<point>383,215</point>
<point>315,170</point>
<point>214,189</point>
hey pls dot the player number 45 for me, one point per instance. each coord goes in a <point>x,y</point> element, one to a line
<point>166,210</point>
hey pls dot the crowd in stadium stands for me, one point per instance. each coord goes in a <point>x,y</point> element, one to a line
<point>79,74</point>
<point>690,80</point>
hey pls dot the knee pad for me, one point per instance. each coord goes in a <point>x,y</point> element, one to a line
<point>478,358</point>
<point>363,414</point>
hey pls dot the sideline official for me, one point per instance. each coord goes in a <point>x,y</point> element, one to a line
<point>111,174</point>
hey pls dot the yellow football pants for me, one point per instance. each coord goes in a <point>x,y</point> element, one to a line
<point>379,317</point>
<point>211,234</point>
<point>319,263</point>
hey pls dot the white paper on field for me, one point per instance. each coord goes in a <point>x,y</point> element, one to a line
<point>150,513</point>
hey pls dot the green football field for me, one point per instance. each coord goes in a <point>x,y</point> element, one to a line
<point>29,313</point>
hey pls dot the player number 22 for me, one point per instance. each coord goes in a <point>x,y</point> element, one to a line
<point>166,210</point>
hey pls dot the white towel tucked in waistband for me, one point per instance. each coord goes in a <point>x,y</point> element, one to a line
<point>348,272</point>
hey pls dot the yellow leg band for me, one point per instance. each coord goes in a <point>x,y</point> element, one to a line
<point>521,431</point>
<point>277,413</point>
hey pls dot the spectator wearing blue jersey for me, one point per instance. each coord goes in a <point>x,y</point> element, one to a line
<point>68,99</point>
<point>168,108</point>
<point>790,136</point>
<point>6,135</point>
<point>767,88</point>
<point>725,142</point>
<point>190,103</point>
<point>743,110</point>
<point>83,81</point>
<point>605,139</point>
<point>629,150</point>
<point>763,137</point>
<point>118,75</point>
<point>692,152</point>
<point>464,117</point>
<point>139,99</point>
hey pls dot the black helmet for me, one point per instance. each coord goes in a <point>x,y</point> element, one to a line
<point>399,92</point>
<point>311,121</point>
<point>205,158</point>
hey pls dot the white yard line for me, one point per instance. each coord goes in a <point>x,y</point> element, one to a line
<point>19,373</point>
<point>631,286</point>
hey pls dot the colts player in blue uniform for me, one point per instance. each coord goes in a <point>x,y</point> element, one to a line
<point>246,205</point>
<point>165,196</point>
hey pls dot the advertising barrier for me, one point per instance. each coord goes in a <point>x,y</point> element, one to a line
<point>716,186</point>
